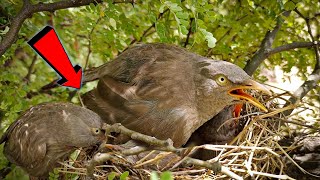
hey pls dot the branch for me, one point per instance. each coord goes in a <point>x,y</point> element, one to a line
<point>28,10</point>
<point>5,171</point>
<point>307,20</point>
<point>265,47</point>
<point>314,78</point>
<point>124,1</point>
<point>290,46</point>
<point>162,145</point>
<point>189,33</point>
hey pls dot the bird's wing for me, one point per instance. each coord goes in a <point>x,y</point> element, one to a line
<point>24,145</point>
<point>146,89</point>
<point>12,126</point>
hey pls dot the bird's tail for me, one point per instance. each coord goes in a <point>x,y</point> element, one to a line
<point>93,74</point>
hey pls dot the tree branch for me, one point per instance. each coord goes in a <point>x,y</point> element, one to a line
<point>28,9</point>
<point>289,47</point>
<point>314,78</point>
<point>265,47</point>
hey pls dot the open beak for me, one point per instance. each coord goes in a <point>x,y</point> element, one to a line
<point>238,92</point>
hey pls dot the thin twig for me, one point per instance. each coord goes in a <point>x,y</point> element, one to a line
<point>90,43</point>
<point>189,33</point>
<point>30,69</point>
<point>147,30</point>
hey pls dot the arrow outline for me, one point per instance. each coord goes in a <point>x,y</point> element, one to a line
<point>39,36</point>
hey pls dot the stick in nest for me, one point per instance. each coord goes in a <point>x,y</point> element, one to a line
<point>161,145</point>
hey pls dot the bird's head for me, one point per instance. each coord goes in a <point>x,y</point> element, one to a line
<point>223,83</point>
<point>84,128</point>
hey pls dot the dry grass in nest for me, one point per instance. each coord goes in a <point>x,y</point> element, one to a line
<point>255,153</point>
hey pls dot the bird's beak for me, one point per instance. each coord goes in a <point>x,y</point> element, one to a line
<point>238,92</point>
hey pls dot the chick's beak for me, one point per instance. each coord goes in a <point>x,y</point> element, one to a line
<point>238,92</point>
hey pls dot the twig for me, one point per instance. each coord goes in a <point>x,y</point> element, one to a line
<point>90,43</point>
<point>215,147</point>
<point>307,20</point>
<point>124,1</point>
<point>118,128</point>
<point>80,99</point>
<point>189,33</point>
<point>296,164</point>
<point>97,159</point>
<point>5,171</point>
<point>29,9</point>
<point>300,124</point>
<point>157,144</point>
<point>216,167</point>
<point>224,35</point>
<point>266,174</point>
<point>30,69</point>
<point>209,53</point>
<point>314,78</point>
<point>147,30</point>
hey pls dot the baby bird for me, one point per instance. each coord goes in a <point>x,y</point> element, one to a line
<point>50,132</point>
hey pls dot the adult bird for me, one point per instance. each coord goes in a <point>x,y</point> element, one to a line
<point>165,91</point>
<point>49,132</point>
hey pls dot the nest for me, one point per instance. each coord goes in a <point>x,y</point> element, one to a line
<point>256,152</point>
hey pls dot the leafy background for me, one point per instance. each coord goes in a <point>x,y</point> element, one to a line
<point>93,34</point>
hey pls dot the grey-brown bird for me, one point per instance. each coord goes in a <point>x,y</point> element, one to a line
<point>165,91</point>
<point>49,132</point>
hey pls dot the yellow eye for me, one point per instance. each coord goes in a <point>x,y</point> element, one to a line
<point>96,131</point>
<point>222,80</point>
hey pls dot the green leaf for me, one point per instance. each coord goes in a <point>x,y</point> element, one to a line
<point>154,176</point>
<point>166,176</point>
<point>161,30</point>
<point>289,6</point>
<point>184,22</point>
<point>182,15</point>
<point>6,29</point>
<point>173,6</point>
<point>184,30</point>
<point>124,175</point>
<point>152,18</point>
<point>161,9</point>
<point>111,176</point>
<point>113,23</point>
<point>209,37</point>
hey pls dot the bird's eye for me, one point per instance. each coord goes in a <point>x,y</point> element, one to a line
<point>96,131</point>
<point>222,80</point>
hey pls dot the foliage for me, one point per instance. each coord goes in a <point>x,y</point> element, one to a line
<point>163,176</point>
<point>94,34</point>
<point>123,176</point>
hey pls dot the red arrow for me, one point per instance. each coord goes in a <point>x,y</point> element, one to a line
<point>49,47</point>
